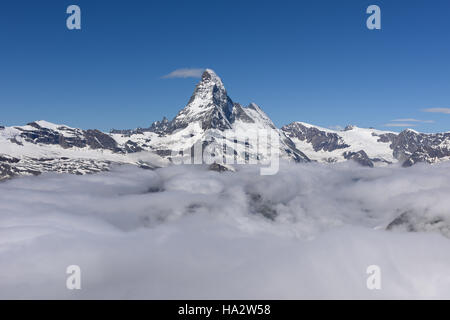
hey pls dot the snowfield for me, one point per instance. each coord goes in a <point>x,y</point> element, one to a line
<point>184,232</point>
<point>356,139</point>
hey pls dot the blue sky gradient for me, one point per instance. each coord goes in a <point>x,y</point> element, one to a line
<point>313,61</point>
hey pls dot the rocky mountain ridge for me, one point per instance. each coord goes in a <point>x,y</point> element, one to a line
<point>221,126</point>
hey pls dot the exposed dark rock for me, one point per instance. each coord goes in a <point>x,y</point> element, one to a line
<point>240,114</point>
<point>209,104</point>
<point>99,140</point>
<point>374,160</point>
<point>411,221</point>
<point>411,147</point>
<point>160,126</point>
<point>8,159</point>
<point>218,167</point>
<point>320,140</point>
<point>132,147</point>
<point>360,157</point>
<point>349,127</point>
<point>163,153</point>
<point>6,171</point>
<point>403,220</point>
<point>43,135</point>
<point>155,189</point>
<point>212,108</point>
<point>260,206</point>
<point>386,137</point>
<point>146,166</point>
<point>15,141</point>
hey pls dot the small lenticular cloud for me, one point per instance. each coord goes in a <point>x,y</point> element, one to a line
<point>398,124</point>
<point>437,110</point>
<point>406,122</point>
<point>185,73</point>
<point>412,120</point>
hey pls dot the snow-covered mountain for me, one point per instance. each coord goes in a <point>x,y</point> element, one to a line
<point>212,118</point>
<point>221,127</point>
<point>46,147</point>
<point>369,147</point>
<point>325,145</point>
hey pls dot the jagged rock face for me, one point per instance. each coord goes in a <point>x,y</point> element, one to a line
<point>160,126</point>
<point>37,166</point>
<point>319,140</point>
<point>219,168</point>
<point>209,104</point>
<point>66,137</point>
<point>411,221</point>
<point>360,157</point>
<point>8,159</point>
<point>369,146</point>
<point>258,205</point>
<point>6,171</point>
<point>387,137</point>
<point>132,147</point>
<point>412,147</point>
<point>326,145</point>
<point>239,114</point>
<point>99,140</point>
<point>10,167</point>
<point>406,143</point>
<point>41,147</point>
<point>44,135</point>
<point>208,118</point>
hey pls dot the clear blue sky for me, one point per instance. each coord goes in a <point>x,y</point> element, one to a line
<point>312,61</point>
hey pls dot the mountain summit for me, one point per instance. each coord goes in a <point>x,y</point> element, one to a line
<point>212,119</point>
<point>210,116</point>
<point>209,104</point>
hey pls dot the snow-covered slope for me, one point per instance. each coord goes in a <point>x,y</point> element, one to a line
<point>212,119</point>
<point>369,147</point>
<point>209,105</point>
<point>224,130</point>
<point>325,145</point>
<point>45,147</point>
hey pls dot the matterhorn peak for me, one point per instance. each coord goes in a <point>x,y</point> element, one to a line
<point>210,76</point>
<point>209,104</point>
<point>210,86</point>
<point>209,89</point>
<point>254,106</point>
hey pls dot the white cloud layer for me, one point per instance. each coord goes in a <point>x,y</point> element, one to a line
<point>185,73</point>
<point>185,232</point>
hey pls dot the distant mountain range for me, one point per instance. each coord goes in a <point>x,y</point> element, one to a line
<point>209,116</point>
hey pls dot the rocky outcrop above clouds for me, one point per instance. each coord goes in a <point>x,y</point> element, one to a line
<point>221,126</point>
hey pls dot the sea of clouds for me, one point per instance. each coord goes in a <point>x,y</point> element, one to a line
<point>184,232</point>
